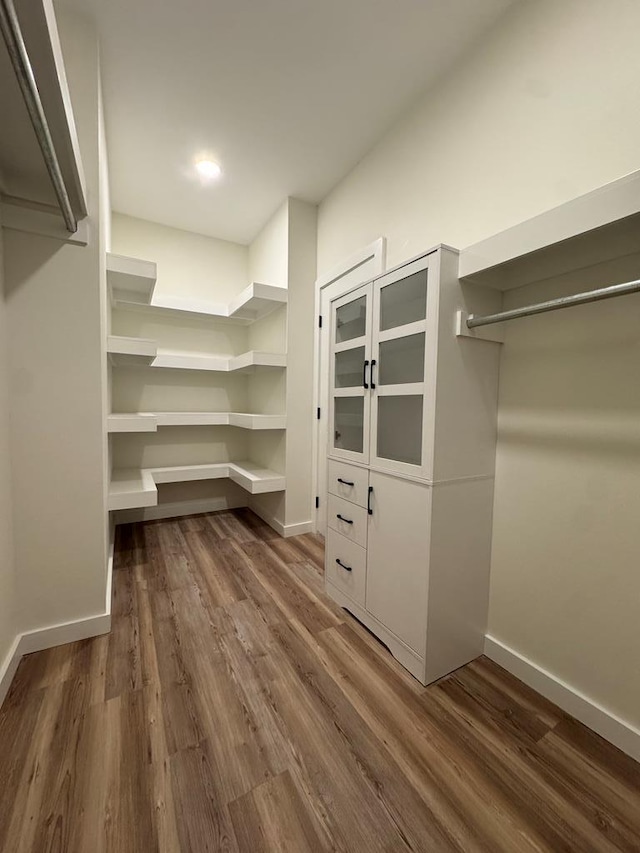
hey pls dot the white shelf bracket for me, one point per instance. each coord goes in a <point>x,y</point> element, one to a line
<point>492,335</point>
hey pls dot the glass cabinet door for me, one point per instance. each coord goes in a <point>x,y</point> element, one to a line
<point>349,381</point>
<point>399,368</point>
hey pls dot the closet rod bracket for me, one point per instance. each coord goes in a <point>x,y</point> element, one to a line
<point>462,330</point>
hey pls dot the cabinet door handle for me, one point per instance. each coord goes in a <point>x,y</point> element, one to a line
<point>373,364</point>
<point>364,374</point>
<point>342,518</point>
<point>369,493</point>
<point>345,482</point>
<point>342,565</point>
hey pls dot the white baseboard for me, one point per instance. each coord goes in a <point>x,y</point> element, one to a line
<point>57,635</point>
<point>298,529</point>
<point>174,510</point>
<point>46,638</point>
<point>8,668</point>
<point>285,530</point>
<point>618,732</point>
<point>65,632</point>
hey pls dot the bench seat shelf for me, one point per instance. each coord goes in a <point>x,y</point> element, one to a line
<point>132,488</point>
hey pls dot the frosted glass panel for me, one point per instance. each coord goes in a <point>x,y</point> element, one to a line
<point>348,432</point>
<point>351,320</point>
<point>400,428</point>
<point>349,368</point>
<point>401,360</point>
<point>404,301</point>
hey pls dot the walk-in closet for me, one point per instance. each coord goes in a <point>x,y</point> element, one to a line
<point>319,447</point>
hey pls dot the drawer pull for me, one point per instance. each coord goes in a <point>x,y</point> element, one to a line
<point>346,520</point>
<point>369,493</point>
<point>345,482</point>
<point>346,568</point>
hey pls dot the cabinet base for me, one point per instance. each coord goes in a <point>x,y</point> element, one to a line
<point>400,651</point>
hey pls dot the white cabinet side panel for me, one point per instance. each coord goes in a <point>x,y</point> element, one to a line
<point>459,574</point>
<point>466,396</point>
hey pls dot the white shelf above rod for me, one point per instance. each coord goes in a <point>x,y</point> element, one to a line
<point>466,323</point>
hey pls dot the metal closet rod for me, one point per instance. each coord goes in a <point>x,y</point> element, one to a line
<point>12,33</point>
<point>474,322</point>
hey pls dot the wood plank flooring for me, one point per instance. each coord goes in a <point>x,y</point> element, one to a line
<point>234,708</point>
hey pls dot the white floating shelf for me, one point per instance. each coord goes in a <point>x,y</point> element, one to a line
<point>254,302</point>
<point>150,421</point>
<point>247,362</point>
<point>125,351</point>
<point>130,280</point>
<point>596,227</point>
<point>250,360</point>
<point>132,422</point>
<point>132,488</point>
<point>247,421</point>
<point>191,361</point>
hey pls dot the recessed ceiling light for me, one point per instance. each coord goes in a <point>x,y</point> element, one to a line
<point>208,170</point>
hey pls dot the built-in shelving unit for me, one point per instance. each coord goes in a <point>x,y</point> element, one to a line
<point>132,488</point>
<point>177,321</point>
<point>150,421</point>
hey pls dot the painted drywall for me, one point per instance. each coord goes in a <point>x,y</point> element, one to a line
<point>54,331</point>
<point>7,569</point>
<point>538,113</point>
<point>300,344</point>
<point>188,264</point>
<point>565,589</point>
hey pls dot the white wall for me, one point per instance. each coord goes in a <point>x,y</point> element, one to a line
<point>188,264</point>
<point>7,577</point>
<point>54,323</point>
<point>300,334</point>
<point>540,112</point>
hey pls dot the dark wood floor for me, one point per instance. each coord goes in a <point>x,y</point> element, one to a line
<point>233,707</point>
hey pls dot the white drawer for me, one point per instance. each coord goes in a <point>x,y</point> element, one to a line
<point>349,482</point>
<point>348,519</point>
<point>352,580</point>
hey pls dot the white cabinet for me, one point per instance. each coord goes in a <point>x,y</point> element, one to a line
<point>398,557</point>
<point>411,458</point>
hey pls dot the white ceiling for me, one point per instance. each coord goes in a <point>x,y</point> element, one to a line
<point>287,95</point>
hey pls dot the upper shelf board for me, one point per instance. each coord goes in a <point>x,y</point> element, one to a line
<point>246,362</point>
<point>130,279</point>
<point>135,351</point>
<point>596,227</point>
<point>254,302</point>
<point>150,421</point>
